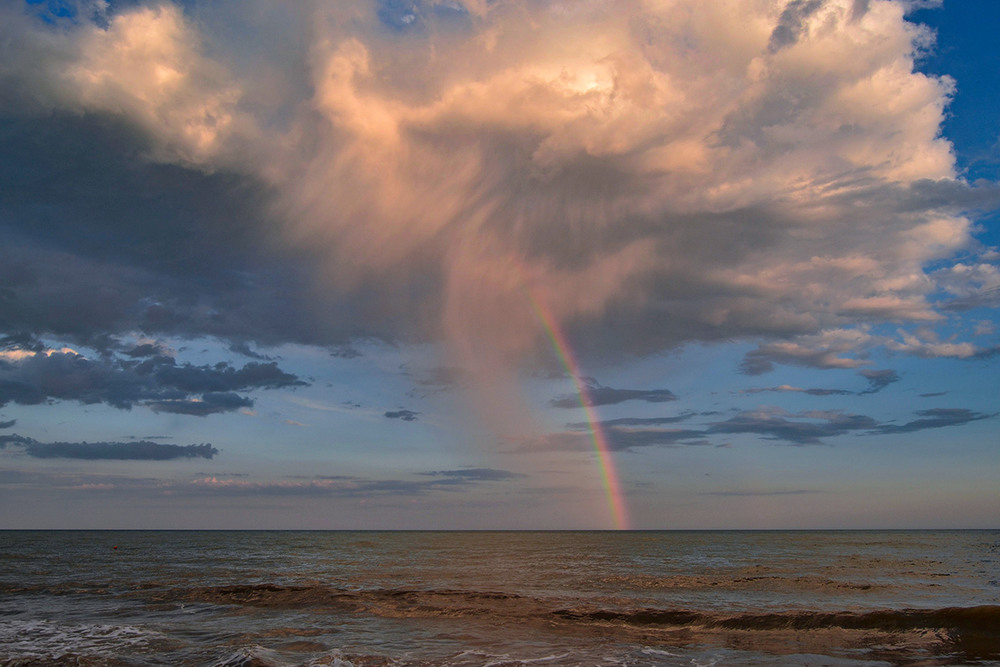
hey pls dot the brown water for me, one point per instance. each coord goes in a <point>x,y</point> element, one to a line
<point>272,599</point>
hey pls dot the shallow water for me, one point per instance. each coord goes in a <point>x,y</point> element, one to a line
<point>499,598</point>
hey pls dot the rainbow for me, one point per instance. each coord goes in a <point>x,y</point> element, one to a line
<point>560,344</point>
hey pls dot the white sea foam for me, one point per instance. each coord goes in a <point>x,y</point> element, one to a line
<point>38,639</point>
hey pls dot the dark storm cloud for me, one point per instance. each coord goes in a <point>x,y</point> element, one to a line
<point>142,450</point>
<point>122,383</point>
<point>95,238</point>
<point>597,394</point>
<point>405,415</point>
<point>936,418</point>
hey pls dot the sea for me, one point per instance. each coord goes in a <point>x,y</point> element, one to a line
<point>700,598</point>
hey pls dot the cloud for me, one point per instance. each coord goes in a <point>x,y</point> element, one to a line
<point>475,475</point>
<point>647,176</point>
<point>349,486</point>
<point>405,415</point>
<point>791,492</point>
<point>802,429</point>
<point>824,350</point>
<point>595,394</point>
<point>936,418</point>
<point>31,378</point>
<point>143,450</point>
<point>209,404</point>
<point>631,421</point>
<point>8,424</point>
<point>878,380</point>
<point>811,427</point>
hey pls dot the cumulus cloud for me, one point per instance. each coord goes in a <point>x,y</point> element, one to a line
<point>643,175</point>
<point>142,450</point>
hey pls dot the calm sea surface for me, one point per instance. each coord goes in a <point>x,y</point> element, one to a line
<point>268,599</point>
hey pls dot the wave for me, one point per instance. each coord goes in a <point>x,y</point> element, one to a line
<point>981,621</point>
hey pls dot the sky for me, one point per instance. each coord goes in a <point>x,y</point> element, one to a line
<point>499,264</point>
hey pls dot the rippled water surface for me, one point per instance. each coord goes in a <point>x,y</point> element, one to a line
<point>499,598</point>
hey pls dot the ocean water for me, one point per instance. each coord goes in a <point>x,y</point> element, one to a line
<point>269,599</point>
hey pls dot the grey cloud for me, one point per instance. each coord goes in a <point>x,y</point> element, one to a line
<point>595,394</point>
<point>778,426</point>
<point>8,424</point>
<point>810,392</point>
<point>789,26</point>
<point>618,438</point>
<point>738,494</point>
<point>878,380</point>
<point>810,427</point>
<point>242,347</point>
<point>762,360</point>
<point>142,450</point>
<point>209,404</point>
<point>122,383</point>
<point>631,421</point>
<point>405,415</point>
<point>354,487</point>
<point>475,474</point>
<point>625,439</point>
<point>935,418</point>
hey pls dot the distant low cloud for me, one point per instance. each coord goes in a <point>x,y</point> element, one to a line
<point>807,428</point>
<point>404,415</point>
<point>936,418</point>
<point>359,487</point>
<point>474,475</point>
<point>142,450</point>
<point>8,424</point>
<point>811,427</point>
<point>739,494</point>
<point>596,394</point>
